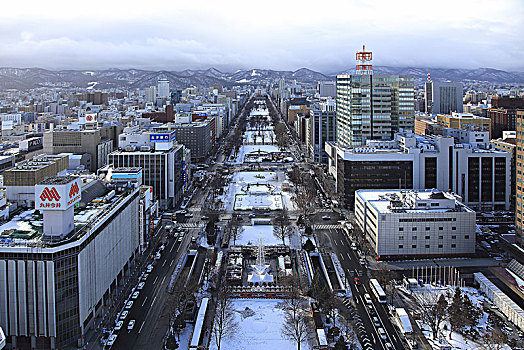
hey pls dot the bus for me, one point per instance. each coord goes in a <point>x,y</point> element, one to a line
<point>377,290</point>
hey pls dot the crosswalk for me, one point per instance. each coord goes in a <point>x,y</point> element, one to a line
<point>191,224</point>
<point>327,227</point>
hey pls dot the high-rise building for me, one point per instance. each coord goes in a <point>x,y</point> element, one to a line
<point>327,89</point>
<point>503,114</point>
<point>321,128</point>
<point>163,89</point>
<point>373,107</point>
<point>151,94</point>
<point>443,97</point>
<point>519,214</point>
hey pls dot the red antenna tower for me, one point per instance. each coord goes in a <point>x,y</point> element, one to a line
<point>429,77</point>
<point>364,58</point>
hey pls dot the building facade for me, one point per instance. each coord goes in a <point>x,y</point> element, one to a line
<point>426,223</point>
<point>321,128</point>
<point>481,176</point>
<point>443,97</point>
<point>373,107</point>
<point>519,207</point>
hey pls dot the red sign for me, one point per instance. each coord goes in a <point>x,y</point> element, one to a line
<point>74,190</point>
<point>50,194</point>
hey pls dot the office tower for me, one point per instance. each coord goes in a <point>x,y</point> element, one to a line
<point>163,89</point>
<point>503,114</point>
<point>373,107</point>
<point>327,89</point>
<point>321,128</point>
<point>519,214</point>
<point>151,94</point>
<point>443,97</point>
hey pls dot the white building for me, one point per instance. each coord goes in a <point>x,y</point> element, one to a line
<point>399,223</point>
<point>15,118</point>
<point>481,176</point>
<point>163,89</point>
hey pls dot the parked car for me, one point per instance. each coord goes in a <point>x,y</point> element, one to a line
<point>135,295</point>
<point>119,325</point>
<point>131,325</point>
<point>129,304</point>
<point>124,314</point>
<point>141,285</point>
<point>111,340</point>
<point>149,268</point>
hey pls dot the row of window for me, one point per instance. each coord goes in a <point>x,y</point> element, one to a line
<point>441,228</point>
<point>414,238</point>
<point>427,220</point>
<point>427,246</point>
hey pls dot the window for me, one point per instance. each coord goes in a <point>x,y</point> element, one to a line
<point>466,237</point>
<point>414,238</point>
<point>427,245</point>
<point>453,245</point>
<point>401,228</point>
<point>400,246</point>
<point>414,246</point>
<point>434,204</point>
<point>453,228</point>
<point>413,229</point>
<point>400,238</point>
<point>440,237</point>
<point>440,246</point>
<point>440,228</point>
<point>427,228</point>
<point>428,237</point>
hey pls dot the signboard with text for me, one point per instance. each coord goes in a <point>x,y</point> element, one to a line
<point>58,197</point>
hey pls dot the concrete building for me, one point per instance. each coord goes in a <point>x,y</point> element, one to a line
<point>64,261</point>
<point>321,128</point>
<point>327,89</point>
<point>465,121</point>
<point>373,107</point>
<point>508,143</point>
<point>20,180</point>
<point>481,176</point>
<point>503,114</point>
<point>426,126</point>
<point>150,94</point>
<point>98,143</point>
<point>425,223</point>
<point>197,136</point>
<point>165,163</point>
<point>443,97</point>
<point>163,89</point>
<point>519,207</point>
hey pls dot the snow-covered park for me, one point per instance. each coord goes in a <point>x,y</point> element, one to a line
<point>266,137</point>
<point>259,327</point>
<point>251,149</point>
<point>251,235</point>
<point>257,189</point>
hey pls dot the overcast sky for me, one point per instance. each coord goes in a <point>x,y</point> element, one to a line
<point>274,34</point>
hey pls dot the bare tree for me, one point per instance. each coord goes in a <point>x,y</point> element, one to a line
<point>225,324</point>
<point>235,230</point>
<point>282,226</point>
<point>433,309</point>
<point>494,340</point>
<point>297,319</point>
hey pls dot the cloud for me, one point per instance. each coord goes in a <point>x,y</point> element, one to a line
<point>233,34</point>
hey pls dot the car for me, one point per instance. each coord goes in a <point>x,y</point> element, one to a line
<point>124,314</point>
<point>382,333</point>
<point>129,304</point>
<point>158,255</point>
<point>326,217</point>
<point>389,346</point>
<point>353,246</point>
<point>357,281</point>
<point>149,268</point>
<point>362,261</point>
<point>376,321</point>
<point>204,217</point>
<point>193,240</point>
<point>180,238</point>
<point>111,340</point>
<point>144,276</point>
<point>135,295</point>
<point>188,215</point>
<point>141,285</point>
<point>162,247</point>
<point>371,310</point>
<point>367,297</point>
<point>252,215</point>
<point>119,325</point>
<point>131,324</point>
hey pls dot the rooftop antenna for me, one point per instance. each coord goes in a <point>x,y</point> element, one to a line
<point>364,66</point>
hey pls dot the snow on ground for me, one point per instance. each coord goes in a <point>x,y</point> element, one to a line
<point>185,336</point>
<point>252,234</point>
<point>245,149</point>
<point>248,136</point>
<point>258,201</point>
<point>262,330</point>
<point>241,179</point>
<point>457,341</point>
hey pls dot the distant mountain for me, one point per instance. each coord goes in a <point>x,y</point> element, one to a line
<point>27,78</point>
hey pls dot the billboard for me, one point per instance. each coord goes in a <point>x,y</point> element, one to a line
<point>58,197</point>
<point>162,137</point>
<point>91,117</point>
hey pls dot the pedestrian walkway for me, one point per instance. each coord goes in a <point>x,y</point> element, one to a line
<point>191,224</point>
<point>327,227</point>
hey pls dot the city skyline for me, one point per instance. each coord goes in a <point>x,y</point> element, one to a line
<point>279,36</point>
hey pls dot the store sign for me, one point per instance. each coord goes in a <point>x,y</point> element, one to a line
<point>58,197</point>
